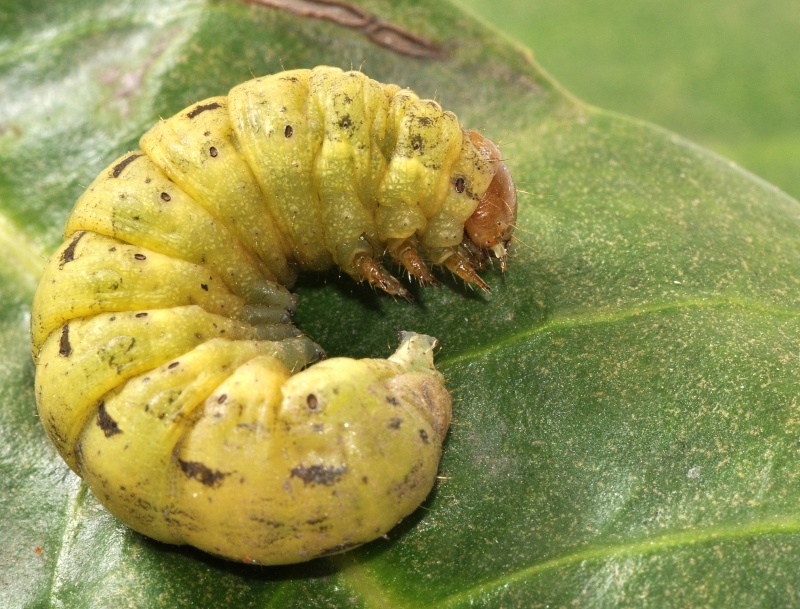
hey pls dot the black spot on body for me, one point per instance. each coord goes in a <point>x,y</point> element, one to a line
<point>165,197</point>
<point>64,348</point>
<point>213,151</point>
<point>345,123</point>
<point>68,255</point>
<point>202,473</point>
<point>264,522</point>
<point>395,423</point>
<point>423,436</point>
<point>326,475</point>
<point>418,143</point>
<point>288,131</point>
<point>119,167</point>
<point>202,108</point>
<point>173,365</point>
<point>459,184</point>
<point>312,402</point>
<point>141,315</point>
<point>106,423</point>
<point>140,257</point>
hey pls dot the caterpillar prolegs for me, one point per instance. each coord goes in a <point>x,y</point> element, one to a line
<point>168,373</point>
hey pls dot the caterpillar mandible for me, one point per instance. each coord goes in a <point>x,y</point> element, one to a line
<point>168,373</point>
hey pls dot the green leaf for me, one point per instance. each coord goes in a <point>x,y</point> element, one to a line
<point>626,427</point>
<point>712,70</point>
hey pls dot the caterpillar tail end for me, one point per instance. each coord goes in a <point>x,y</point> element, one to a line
<point>368,432</point>
<point>415,351</point>
<point>420,383</point>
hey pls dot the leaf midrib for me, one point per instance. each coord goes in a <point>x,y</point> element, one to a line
<point>608,316</point>
<point>361,580</point>
<point>685,537</point>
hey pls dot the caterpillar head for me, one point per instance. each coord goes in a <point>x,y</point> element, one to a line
<point>491,225</point>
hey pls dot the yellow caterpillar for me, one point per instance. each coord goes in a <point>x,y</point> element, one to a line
<point>168,374</point>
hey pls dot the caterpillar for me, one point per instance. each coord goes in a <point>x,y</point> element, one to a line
<point>168,373</point>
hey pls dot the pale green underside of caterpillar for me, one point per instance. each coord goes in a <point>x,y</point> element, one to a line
<point>168,373</point>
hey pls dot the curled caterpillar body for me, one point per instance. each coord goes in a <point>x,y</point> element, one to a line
<point>168,373</point>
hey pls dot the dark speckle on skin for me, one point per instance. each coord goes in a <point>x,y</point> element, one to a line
<point>68,255</point>
<point>346,123</point>
<point>326,475</point>
<point>106,423</point>
<point>202,473</point>
<point>119,167</point>
<point>202,108</point>
<point>64,348</point>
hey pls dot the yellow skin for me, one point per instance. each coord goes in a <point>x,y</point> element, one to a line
<point>168,373</point>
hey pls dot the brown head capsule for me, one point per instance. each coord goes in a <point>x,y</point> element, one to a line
<point>491,225</point>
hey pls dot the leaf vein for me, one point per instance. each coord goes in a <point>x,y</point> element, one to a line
<point>609,317</point>
<point>687,537</point>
